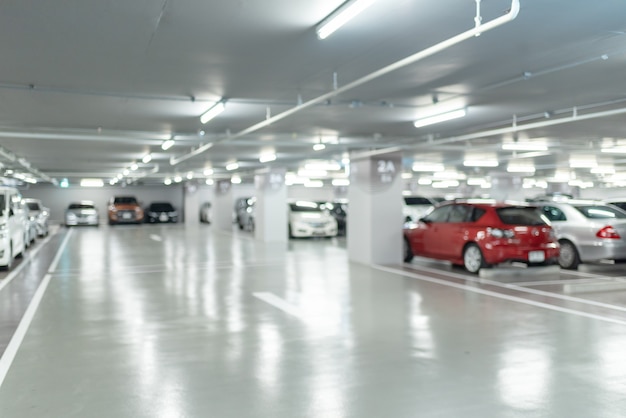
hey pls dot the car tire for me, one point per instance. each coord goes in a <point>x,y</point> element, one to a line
<point>407,253</point>
<point>473,259</point>
<point>568,256</point>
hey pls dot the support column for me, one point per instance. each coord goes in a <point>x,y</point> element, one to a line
<point>191,204</point>
<point>271,206</point>
<point>375,208</point>
<point>223,206</point>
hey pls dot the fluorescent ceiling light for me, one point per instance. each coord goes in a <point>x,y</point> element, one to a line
<point>215,110</point>
<point>603,170</point>
<point>442,117</point>
<point>524,146</point>
<point>445,184</point>
<point>167,181</point>
<point>266,158</point>
<point>341,182</point>
<point>146,158</point>
<point>91,183</point>
<point>312,173</point>
<point>126,172</point>
<point>207,171</point>
<point>583,163</point>
<point>342,15</point>
<point>178,179</point>
<point>424,182</point>
<point>209,182</point>
<point>323,165</point>
<point>319,147</point>
<point>427,167</point>
<point>167,144</point>
<point>235,179</point>
<point>314,183</point>
<point>520,168</point>
<point>232,166</point>
<point>407,176</point>
<point>134,166</point>
<point>481,163</point>
<point>614,150</point>
<point>190,175</point>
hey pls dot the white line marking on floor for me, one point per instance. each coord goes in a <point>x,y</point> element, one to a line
<point>13,274</point>
<point>557,282</point>
<point>57,257</point>
<point>497,295</point>
<point>157,238</point>
<point>279,303</point>
<point>528,290</point>
<point>16,341</point>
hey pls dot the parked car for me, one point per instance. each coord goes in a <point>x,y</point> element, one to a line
<point>161,212</point>
<point>30,225</point>
<point>82,213</point>
<point>308,219</point>
<point>246,217</point>
<point>415,207</point>
<point>205,213</point>
<point>339,211</point>
<point>125,209</point>
<point>588,231</point>
<point>41,215</point>
<point>479,234</point>
<point>619,202</point>
<point>12,232</point>
<point>241,206</point>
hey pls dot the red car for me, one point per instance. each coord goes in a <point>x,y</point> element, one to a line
<point>478,234</point>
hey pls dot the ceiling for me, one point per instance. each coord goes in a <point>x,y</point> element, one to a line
<point>89,87</point>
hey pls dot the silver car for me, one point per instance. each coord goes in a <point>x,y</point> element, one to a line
<point>587,230</point>
<point>40,214</point>
<point>82,213</point>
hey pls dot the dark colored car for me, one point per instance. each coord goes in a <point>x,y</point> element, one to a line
<point>161,212</point>
<point>124,209</point>
<point>479,234</point>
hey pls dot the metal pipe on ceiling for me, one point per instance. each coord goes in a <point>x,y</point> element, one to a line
<point>477,30</point>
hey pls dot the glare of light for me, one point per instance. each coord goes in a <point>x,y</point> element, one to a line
<point>474,181</point>
<point>113,182</point>
<point>583,162</point>
<point>146,158</point>
<point>318,147</point>
<point>442,117</point>
<point>480,163</point>
<point>341,182</point>
<point>232,166</point>
<point>524,146</point>
<point>178,179</point>
<point>64,183</point>
<point>266,158</point>
<point>167,181</point>
<point>314,183</point>
<point>190,175</point>
<point>312,173</point>
<point>134,166</point>
<point>215,110</point>
<point>91,183</point>
<point>30,180</point>
<point>323,165</point>
<point>407,176</point>
<point>449,175</point>
<point>209,182</point>
<point>341,16</point>
<point>208,171</point>
<point>119,176</point>
<point>516,167</point>
<point>235,179</point>
<point>603,170</point>
<point>445,184</point>
<point>424,181</point>
<point>126,172</point>
<point>614,150</point>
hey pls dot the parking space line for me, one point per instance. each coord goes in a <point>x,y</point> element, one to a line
<point>498,295</point>
<point>57,257</point>
<point>557,282</point>
<point>13,274</point>
<point>16,341</point>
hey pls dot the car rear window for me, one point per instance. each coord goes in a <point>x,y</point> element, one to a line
<point>600,212</point>
<point>80,206</point>
<point>127,200</point>
<point>525,216</point>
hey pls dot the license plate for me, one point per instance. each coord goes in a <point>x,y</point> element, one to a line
<point>163,218</point>
<point>126,216</point>
<point>536,256</point>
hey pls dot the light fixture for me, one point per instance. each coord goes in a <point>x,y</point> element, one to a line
<point>614,150</point>
<point>314,184</point>
<point>232,166</point>
<point>167,144</point>
<point>520,167</point>
<point>113,182</point>
<point>126,172</point>
<point>215,110</point>
<point>427,167</point>
<point>178,179</point>
<point>266,158</point>
<point>480,163</point>
<point>207,171</point>
<point>318,147</point>
<point>167,181</point>
<point>91,183</point>
<point>209,182</point>
<point>603,170</point>
<point>323,165</point>
<point>407,176</point>
<point>190,175</point>
<point>341,16</point>
<point>341,182</point>
<point>524,146</point>
<point>422,181</point>
<point>64,183</point>
<point>442,117</point>
<point>146,158</point>
<point>235,179</point>
<point>312,173</point>
<point>134,166</point>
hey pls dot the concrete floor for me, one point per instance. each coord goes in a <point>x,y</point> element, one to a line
<point>168,321</point>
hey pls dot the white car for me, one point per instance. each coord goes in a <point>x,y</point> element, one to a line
<point>308,219</point>
<point>82,213</point>
<point>40,214</point>
<point>12,221</point>
<point>415,207</point>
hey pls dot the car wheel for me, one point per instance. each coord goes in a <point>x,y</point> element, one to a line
<point>408,253</point>
<point>568,256</point>
<point>473,259</point>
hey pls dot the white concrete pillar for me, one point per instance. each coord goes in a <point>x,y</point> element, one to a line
<point>223,205</point>
<point>191,199</point>
<point>375,208</point>
<point>271,206</point>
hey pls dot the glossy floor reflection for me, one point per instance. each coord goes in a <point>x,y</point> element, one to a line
<point>168,321</point>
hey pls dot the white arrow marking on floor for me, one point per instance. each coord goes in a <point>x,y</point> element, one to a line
<point>279,303</point>
<point>156,238</point>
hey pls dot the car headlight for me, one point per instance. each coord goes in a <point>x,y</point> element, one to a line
<point>71,217</point>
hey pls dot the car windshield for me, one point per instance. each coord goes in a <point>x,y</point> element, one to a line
<point>600,212</point>
<point>33,205</point>
<point>125,200</point>
<point>412,201</point>
<point>161,207</point>
<point>305,207</point>
<point>520,215</point>
<point>81,206</point>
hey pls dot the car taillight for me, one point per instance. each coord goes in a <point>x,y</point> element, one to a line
<point>501,233</point>
<point>608,232</point>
